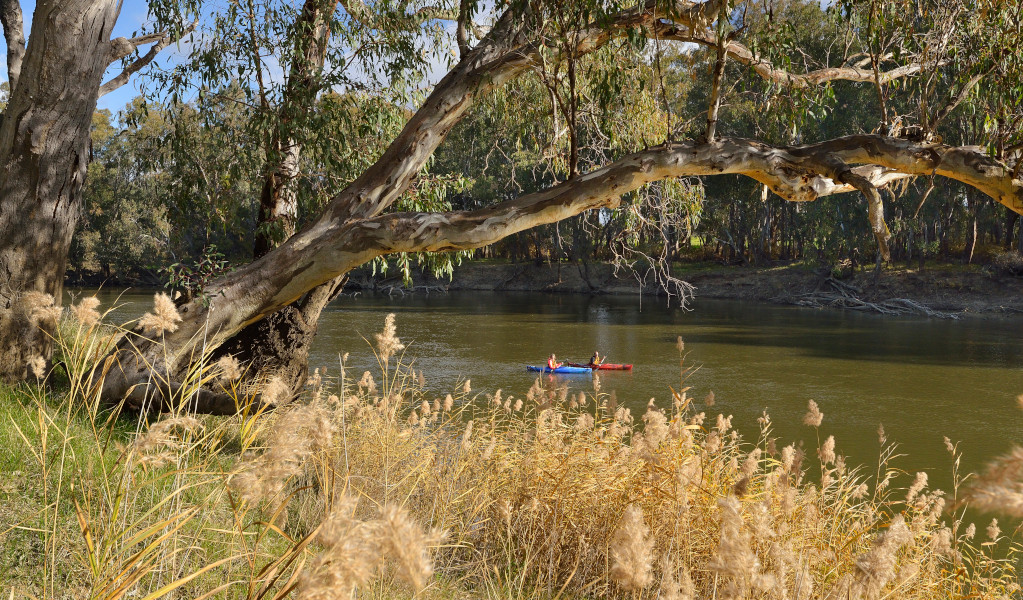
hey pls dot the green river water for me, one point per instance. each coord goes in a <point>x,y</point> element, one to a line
<point>922,378</point>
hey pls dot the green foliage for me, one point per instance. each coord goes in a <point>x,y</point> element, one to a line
<point>183,169</point>
<point>428,193</point>
<point>192,280</point>
<point>127,226</point>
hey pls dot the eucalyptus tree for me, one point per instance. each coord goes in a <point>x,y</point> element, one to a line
<point>889,46</point>
<point>166,182</point>
<point>310,81</point>
<point>55,76</point>
<point>125,229</point>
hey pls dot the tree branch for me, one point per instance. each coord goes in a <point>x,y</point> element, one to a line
<point>956,99</point>
<point>124,76</point>
<point>798,173</point>
<point>14,34</point>
<point>358,10</point>
<point>460,35</point>
<point>719,73</point>
<point>121,47</point>
<point>836,169</point>
<point>768,71</point>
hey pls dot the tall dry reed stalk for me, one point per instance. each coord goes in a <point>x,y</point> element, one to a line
<point>391,490</point>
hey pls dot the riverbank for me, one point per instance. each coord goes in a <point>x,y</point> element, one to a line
<point>470,496</point>
<point>953,289</point>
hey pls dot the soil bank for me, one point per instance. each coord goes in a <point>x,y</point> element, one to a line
<point>950,288</point>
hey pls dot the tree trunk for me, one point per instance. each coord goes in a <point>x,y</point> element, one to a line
<point>1010,224</point>
<point>278,206</point>
<point>971,239</point>
<point>763,249</point>
<point>278,346</point>
<point>922,248</point>
<point>44,154</point>
<point>278,202</point>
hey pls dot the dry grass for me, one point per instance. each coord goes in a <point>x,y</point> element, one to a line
<point>371,486</point>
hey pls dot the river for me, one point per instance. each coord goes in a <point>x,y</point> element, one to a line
<point>922,378</point>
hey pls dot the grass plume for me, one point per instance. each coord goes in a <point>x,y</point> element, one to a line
<point>345,493</point>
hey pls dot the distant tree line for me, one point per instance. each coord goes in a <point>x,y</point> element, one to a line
<point>171,182</point>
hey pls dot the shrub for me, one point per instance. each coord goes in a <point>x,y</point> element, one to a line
<point>1008,263</point>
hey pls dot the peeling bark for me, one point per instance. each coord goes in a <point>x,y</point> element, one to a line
<point>278,206</point>
<point>767,70</point>
<point>44,154</point>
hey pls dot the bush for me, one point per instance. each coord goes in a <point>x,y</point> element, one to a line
<point>1008,263</point>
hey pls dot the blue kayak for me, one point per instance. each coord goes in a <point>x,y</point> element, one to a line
<point>562,370</point>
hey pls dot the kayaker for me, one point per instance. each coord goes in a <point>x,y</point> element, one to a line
<point>552,362</point>
<point>596,359</point>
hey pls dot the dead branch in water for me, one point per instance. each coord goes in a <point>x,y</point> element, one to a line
<point>833,293</point>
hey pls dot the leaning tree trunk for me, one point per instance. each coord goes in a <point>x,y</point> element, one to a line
<point>44,154</point>
<point>278,345</point>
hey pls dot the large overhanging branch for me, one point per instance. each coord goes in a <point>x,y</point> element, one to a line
<point>332,247</point>
<point>798,173</point>
<point>14,34</point>
<point>967,164</point>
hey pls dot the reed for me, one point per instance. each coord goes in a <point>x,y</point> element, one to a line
<point>389,490</point>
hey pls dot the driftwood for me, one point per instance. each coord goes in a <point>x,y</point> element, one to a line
<point>832,293</point>
<point>401,290</point>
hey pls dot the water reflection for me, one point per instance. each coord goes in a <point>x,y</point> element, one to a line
<point>922,378</point>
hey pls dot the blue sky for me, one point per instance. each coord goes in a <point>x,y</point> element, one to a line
<point>134,14</point>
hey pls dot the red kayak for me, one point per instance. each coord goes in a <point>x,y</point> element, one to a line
<point>603,366</point>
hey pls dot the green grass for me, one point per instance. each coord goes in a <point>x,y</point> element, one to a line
<point>338,491</point>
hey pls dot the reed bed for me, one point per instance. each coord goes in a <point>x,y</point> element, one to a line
<point>370,486</point>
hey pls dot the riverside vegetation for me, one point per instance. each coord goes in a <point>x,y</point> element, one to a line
<point>373,484</point>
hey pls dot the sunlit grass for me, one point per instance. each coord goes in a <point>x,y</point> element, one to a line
<point>372,483</point>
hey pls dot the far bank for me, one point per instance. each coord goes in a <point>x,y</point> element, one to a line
<point>957,289</point>
<point>938,289</point>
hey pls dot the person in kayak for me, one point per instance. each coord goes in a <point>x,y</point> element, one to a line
<point>552,362</point>
<point>596,359</point>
